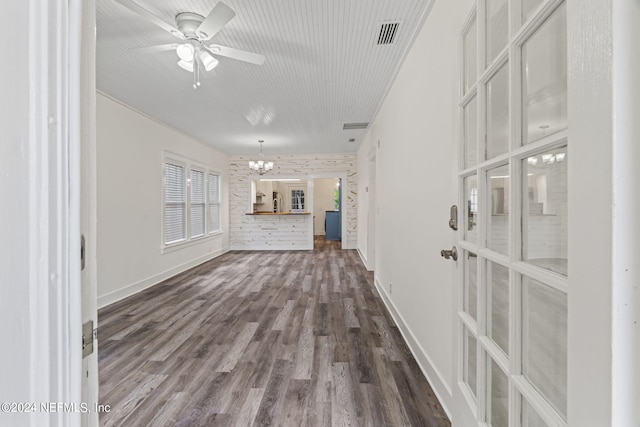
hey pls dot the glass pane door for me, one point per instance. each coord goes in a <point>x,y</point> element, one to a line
<point>514,156</point>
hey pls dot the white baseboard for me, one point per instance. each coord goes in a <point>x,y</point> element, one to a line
<point>437,382</point>
<point>271,248</point>
<point>364,260</point>
<point>346,245</point>
<point>134,288</point>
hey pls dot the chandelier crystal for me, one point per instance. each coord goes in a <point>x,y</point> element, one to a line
<point>260,166</point>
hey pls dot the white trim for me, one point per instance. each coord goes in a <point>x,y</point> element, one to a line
<point>141,285</point>
<point>363,259</point>
<point>83,121</point>
<point>468,322</point>
<point>270,248</point>
<point>41,317</point>
<point>173,247</point>
<point>210,231</point>
<point>343,175</point>
<point>537,19</point>
<point>537,401</point>
<point>428,368</point>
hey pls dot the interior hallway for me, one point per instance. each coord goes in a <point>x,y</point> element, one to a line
<point>261,338</point>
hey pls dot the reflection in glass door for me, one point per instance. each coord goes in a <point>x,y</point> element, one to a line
<point>512,175</point>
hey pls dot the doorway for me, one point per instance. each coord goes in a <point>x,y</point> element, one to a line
<point>327,208</point>
<point>371,215</point>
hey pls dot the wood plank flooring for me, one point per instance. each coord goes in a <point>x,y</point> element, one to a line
<point>296,338</point>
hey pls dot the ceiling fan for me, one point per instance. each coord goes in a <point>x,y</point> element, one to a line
<point>195,31</point>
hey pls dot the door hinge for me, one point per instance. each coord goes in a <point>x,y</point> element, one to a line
<point>89,335</point>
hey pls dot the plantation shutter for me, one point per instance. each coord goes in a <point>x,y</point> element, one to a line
<point>214,203</point>
<point>197,203</point>
<point>174,204</point>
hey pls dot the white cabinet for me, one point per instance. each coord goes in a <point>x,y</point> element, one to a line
<point>262,202</point>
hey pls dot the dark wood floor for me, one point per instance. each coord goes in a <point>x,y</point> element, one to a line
<point>261,338</point>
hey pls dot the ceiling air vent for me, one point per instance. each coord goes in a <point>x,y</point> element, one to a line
<point>387,33</point>
<point>355,126</point>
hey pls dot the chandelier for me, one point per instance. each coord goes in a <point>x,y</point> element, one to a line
<point>260,165</point>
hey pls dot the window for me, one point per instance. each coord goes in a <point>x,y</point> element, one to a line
<point>297,200</point>
<point>197,205</point>
<point>214,202</point>
<point>174,203</point>
<point>191,201</point>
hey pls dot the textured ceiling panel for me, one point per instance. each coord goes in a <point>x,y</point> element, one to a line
<point>323,68</point>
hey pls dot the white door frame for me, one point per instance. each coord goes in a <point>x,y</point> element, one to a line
<point>344,208</point>
<point>56,317</point>
<point>83,137</point>
<point>44,324</point>
<point>371,211</point>
<point>46,347</point>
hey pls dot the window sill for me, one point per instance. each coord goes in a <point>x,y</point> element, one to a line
<point>194,241</point>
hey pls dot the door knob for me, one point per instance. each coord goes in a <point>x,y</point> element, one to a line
<point>447,254</point>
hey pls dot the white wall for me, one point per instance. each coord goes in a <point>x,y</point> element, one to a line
<point>626,229</point>
<point>415,186</point>
<point>130,175</point>
<point>323,201</point>
<point>277,232</point>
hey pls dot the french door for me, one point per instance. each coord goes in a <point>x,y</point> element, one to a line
<point>512,310</point>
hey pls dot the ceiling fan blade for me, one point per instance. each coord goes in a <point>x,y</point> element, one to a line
<point>217,18</point>
<point>134,7</point>
<point>241,55</point>
<point>156,48</point>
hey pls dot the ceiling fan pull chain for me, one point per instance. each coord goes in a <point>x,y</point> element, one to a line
<point>196,74</point>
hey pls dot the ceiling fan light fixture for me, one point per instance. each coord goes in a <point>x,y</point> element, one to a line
<point>194,30</point>
<point>186,65</point>
<point>208,61</point>
<point>185,52</point>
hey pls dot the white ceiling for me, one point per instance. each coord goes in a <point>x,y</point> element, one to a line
<point>323,68</point>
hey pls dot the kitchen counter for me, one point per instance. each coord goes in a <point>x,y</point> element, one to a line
<point>279,213</point>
